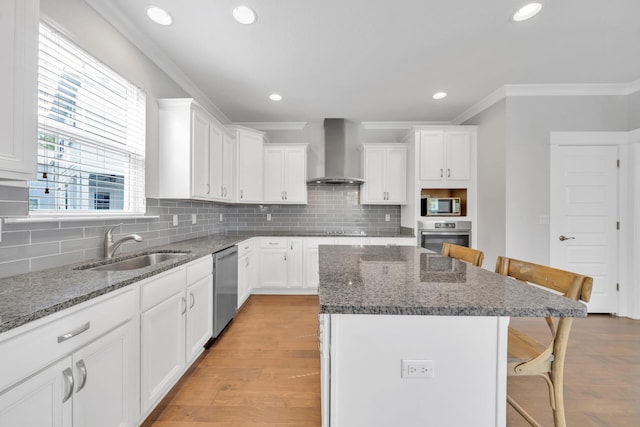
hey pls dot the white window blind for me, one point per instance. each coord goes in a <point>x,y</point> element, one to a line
<point>91,134</point>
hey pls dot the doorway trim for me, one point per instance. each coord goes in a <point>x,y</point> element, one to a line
<point>627,294</point>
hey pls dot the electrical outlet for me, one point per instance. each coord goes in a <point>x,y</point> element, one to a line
<point>221,218</point>
<point>193,218</point>
<point>268,217</point>
<point>387,217</point>
<point>175,220</point>
<point>412,368</point>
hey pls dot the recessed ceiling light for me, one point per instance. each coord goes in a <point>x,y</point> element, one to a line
<point>159,16</point>
<point>439,95</point>
<point>275,97</point>
<point>244,15</point>
<point>527,12</point>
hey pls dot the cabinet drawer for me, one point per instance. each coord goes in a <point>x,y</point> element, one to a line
<point>26,353</point>
<point>199,268</point>
<point>273,243</point>
<point>159,288</point>
<point>245,247</point>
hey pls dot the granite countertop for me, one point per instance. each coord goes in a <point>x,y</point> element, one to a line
<point>31,296</point>
<point>413,281</point>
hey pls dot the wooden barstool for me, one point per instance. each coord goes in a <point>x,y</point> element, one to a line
<point>463,253</point>
<point>527,356</point>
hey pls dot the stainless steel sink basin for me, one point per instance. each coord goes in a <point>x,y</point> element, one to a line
<point>138,262</point>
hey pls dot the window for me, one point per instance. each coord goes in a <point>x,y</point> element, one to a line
<point>91,134</point>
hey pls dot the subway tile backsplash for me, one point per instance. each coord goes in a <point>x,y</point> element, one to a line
<point>29,247</point>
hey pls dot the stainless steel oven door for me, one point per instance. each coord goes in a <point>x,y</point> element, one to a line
<point>433,240</point>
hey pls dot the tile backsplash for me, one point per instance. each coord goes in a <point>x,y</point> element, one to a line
<point>32,246</point>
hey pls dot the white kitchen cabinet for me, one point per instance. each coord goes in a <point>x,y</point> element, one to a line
<point>384,174</point>
<point>247,270</point>
<point>19,20</point>
<point>281,264</point>
<point>445,155</point>
<point>196,156</point>
<point>78,367</point>
<point>250,166</point>
<point>176,321</point>
<point>285,173</point>
<point>38,401</point>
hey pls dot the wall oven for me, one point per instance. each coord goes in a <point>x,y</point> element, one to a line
<point>433,234</point>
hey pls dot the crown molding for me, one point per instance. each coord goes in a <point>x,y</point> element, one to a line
<point>124,25</point>
<point>265,126</point>
<point>607,89</point>
<point>399,125</point>
<point>493,98</point>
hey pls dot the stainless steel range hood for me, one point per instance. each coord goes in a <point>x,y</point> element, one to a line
<point>335,155</point>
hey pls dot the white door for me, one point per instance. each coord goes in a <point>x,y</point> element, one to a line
<point>106,381</point>
<point>274,175</point>
<point>458,155</point>
<point>216,162</point>
<point>200,152</point>
<point>431,155</point>
<point>295,185</point>
<point>199,316</point>
<point>375,186</point>
<point>396,175</point>
<point>228,167</point>
<point>584,215</point>
<point>250,165</point>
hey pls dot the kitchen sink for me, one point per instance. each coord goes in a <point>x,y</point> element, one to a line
<point>140,261</point>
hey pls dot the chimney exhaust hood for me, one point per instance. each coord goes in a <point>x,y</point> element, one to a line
<point>335,156</point>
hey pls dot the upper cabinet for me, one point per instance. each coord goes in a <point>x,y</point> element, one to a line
<point>196,155</point>
<point>385,174</point>
<point>445,155</point>
<point>250,166</point>
<point>285,173</point>
<point>18,77</point>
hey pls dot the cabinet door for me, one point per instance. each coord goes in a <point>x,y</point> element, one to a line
<point>295,183</point>
<point>106,391</point>
<point>200,158</point>
<point>243,278</point>
<point>39,400</point>
<point>274,175</point>
<point>19,46</point>
<point>374,188</point>
<point>458,145</point>
<point>162,348</point>
<point>273,268</point>
<point>432,155</point>
<point>199,316</point>
<point>215,162</point>
<point>250,167</point>
<point>228,167</point>
<point>311,268</point>
<point>396,175</point>
<point>295,271</point>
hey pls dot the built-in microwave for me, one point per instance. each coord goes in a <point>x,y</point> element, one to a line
<point>440,206</point>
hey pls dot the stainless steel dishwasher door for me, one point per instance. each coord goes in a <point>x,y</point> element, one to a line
<point>225,288</point>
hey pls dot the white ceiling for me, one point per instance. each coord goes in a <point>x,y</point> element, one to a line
<point>382,60</point>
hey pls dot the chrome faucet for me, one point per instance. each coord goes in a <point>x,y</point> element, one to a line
<point>110,247</point>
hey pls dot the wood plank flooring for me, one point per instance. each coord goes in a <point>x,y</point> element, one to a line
<point>264,372</point>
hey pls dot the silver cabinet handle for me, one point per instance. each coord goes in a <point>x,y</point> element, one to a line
<point>184,304</point>
<point>68,376</point>
<point>563,238</point>
<point>285,257</point>
<point>193,300</point>
<point>291,245</point>
<point>286,195</point>
<point>448,172</point>
<point>441,173</point>
<point>69,335</point>
<point>208,188</point>
<point>246,261</point>
<point>83,370</point>
<point>273,243</point>
<point>241,194</point>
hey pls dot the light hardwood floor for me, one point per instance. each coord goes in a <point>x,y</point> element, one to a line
<point>264,372</point>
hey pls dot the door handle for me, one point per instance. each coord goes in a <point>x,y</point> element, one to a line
<point>69,335</point>
<point>68,375</point>
<point>563,238</point>
<point>184,305</point>
<point>83,370</point>
<point>193,300</point>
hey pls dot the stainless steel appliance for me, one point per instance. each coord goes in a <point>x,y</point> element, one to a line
<point>433,234</point>
<point>225,288</point>
<point>440,206</point>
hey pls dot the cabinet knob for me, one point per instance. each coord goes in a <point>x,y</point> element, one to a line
<point>448,172</point>
<point>441,173</point>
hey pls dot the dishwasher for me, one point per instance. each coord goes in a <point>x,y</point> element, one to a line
<point>225,288</point>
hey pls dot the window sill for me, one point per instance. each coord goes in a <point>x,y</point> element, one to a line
<point>68,218</point>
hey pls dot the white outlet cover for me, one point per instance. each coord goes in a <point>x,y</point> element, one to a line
<point>387,217</point>
<point>193,218</point>
<point>221,218</point>
<point>268,217</point>
<point>175,220</point>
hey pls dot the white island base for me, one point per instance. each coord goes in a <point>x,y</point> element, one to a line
<point>362,383</point>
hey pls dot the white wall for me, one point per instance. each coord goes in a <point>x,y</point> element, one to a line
<point>634,111</point>
<point>91,32</point>
<point>490,225</point>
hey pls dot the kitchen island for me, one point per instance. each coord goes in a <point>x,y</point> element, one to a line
<point>412,338</point>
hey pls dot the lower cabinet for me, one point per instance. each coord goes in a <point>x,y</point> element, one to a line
<point>247,269</point>
<point>176,321</point>
<point>94,384</point>
<point>281,264</point>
